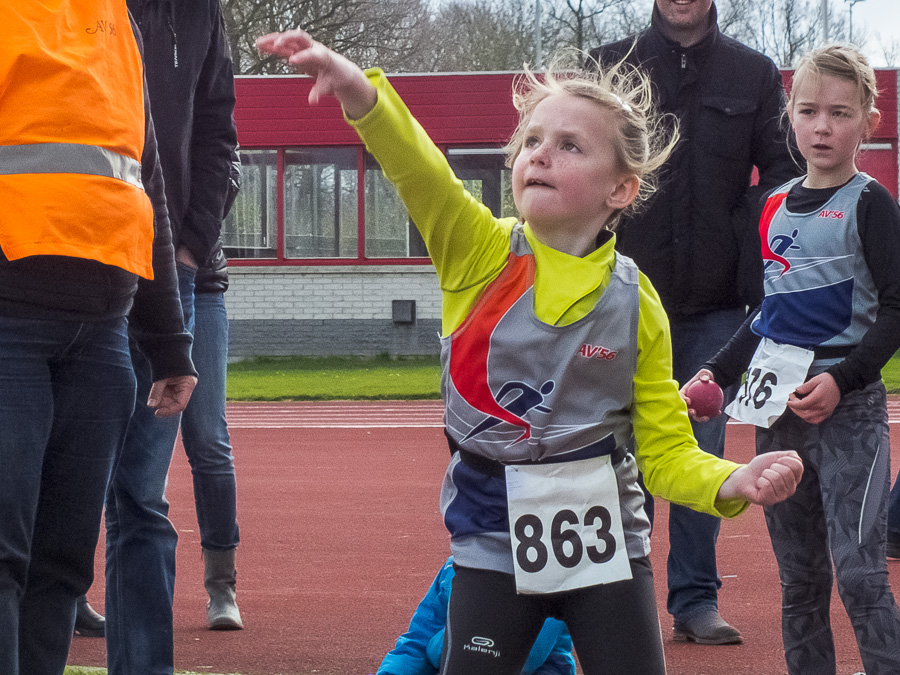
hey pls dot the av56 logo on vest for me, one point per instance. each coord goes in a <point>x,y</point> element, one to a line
<point>596,352</point>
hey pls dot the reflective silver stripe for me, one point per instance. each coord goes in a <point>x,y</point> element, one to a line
<point>69,158</point>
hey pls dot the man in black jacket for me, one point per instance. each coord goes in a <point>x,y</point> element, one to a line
<point>697,239</point>
<point>191,86</point>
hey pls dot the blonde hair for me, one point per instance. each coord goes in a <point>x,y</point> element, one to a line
<point>644,137</point>
<point>841,61</point>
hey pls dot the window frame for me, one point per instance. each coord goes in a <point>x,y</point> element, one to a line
<point>361,259</point>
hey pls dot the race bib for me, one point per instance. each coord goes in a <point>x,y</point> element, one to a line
<point>566,525</point>
<point>775,371</point>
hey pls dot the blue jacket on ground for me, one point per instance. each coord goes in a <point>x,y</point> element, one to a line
<point>418,650</point>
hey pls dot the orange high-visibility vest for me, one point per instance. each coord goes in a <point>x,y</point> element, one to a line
<point>72,134</point>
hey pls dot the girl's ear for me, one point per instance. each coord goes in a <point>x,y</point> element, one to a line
<point>624,193</point>
<point>872,123</point>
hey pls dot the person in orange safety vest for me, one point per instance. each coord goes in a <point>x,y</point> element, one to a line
<point>86,263</point>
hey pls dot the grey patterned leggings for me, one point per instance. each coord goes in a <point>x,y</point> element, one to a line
<point>839,514</point>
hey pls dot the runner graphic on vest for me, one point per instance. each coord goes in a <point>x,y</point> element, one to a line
<point>780,245</point>
<point>528,398</point>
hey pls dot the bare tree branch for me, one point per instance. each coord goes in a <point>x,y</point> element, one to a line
<point>471,35</point>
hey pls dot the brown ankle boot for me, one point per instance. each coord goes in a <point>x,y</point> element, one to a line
<point>220,577</point>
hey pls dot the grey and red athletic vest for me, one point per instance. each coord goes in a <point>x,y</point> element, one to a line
<point>818,290</point>
<point>519,390</point>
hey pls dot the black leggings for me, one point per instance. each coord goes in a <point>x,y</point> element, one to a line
<point>490,629</point>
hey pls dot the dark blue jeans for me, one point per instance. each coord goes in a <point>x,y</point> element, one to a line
<point>204,432</point>
<point>66,395</point>
<point>693,577</point>
<point>140,539</point>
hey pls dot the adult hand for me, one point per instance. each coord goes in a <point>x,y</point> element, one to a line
<point>171,395</point>
<point>702,375</point>
<point>768,478</point>
<point>335,75</point>
<point>817,399</point>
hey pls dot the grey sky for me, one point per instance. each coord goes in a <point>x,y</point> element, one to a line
<point>879,21</point>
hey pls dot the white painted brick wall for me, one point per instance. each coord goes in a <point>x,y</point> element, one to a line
<point>330,292</point>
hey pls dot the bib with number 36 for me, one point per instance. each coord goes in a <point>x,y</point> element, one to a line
<point>566,525</point>
<point>775,371</point>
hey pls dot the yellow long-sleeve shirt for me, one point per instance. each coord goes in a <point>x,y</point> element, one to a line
<point>469,248</point>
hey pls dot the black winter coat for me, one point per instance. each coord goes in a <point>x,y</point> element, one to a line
<point>191,82</point>
<point>212,276</point>
<point>697,238</point>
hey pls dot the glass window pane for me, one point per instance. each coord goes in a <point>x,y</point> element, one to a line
<point>320,203</point>
<point>485,176</point>
<point>249,230</point>
<point>388,227</point>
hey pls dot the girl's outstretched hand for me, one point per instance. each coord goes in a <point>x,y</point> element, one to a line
<point>335,75</point>
<point>768,478</point>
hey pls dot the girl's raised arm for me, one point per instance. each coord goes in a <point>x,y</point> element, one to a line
<point>335,75</point>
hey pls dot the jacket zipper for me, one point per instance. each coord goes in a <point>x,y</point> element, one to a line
<point>683,61</point>
<point>174,41</point>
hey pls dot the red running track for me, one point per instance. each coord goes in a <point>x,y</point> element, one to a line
<point>341,535</point>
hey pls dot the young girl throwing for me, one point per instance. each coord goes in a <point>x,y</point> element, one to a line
<point>829,322</point>
<point>554,348</point>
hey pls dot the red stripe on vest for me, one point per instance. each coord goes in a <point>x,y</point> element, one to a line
<point>470,343</point>
<point>773,203</point>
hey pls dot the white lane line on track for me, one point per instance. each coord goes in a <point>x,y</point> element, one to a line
<point>336,415</point>
<point>365,415</point>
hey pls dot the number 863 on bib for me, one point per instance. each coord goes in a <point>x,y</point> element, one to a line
<point>565,525</point>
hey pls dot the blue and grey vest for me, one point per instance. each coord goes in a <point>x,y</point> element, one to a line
<point>818,290</point>
<point>519,390</point>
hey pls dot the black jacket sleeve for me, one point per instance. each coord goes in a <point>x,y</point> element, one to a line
<point>213,141</point>
<point>878,222</point>
<point>156,321</point>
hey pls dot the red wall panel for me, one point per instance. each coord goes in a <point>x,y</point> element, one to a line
<point>462,108</point>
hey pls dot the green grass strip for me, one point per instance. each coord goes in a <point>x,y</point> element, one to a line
<point>335,378</point>
<point>891,375</point>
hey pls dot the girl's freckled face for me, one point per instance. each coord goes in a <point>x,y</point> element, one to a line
<point>567,167</point>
